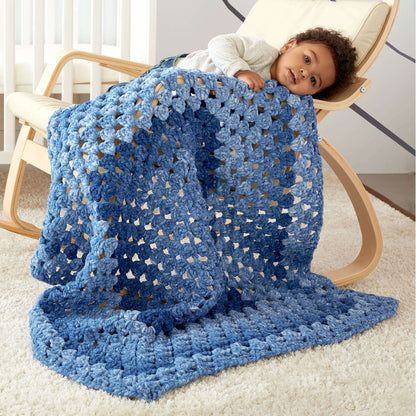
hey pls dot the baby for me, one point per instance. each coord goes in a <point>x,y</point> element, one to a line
<point>317,62</point>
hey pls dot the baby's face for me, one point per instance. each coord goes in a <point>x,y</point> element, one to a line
<point>304,68</point>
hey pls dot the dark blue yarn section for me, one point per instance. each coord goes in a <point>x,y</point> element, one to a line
<point>183,214</point>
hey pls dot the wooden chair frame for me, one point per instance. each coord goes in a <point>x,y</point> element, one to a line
<point>28,151</point>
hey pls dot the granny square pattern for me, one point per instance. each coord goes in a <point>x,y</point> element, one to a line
<point>183,214</point>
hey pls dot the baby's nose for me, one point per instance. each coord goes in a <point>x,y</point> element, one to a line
<point>303,73</point>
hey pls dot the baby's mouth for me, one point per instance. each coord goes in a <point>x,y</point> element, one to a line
<point>292,76</point>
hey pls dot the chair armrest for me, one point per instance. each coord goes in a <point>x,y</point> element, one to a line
<point>344,98</point>
<point>54,68</point>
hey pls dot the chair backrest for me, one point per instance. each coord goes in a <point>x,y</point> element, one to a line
<point>366,22</point>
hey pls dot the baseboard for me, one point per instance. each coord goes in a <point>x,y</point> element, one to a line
<point>389,202</point>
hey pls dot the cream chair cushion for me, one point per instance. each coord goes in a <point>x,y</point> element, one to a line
<point>276,21</point>
<point>34,109</point>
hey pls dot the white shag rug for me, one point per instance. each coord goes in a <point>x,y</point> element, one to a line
<point>371,373</point>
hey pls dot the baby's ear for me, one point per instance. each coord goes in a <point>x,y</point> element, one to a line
<point>288,45</point>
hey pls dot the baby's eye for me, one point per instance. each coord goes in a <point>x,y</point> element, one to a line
<point>313,80</point>
<point>307,60</point>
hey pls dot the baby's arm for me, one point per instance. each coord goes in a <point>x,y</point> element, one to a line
<point>233,54</point>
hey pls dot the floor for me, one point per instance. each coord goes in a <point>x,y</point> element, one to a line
<point>397,190</point>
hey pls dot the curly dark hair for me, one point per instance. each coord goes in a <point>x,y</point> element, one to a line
<point>343,54</point>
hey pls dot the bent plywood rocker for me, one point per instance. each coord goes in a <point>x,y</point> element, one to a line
<point>367,23</point>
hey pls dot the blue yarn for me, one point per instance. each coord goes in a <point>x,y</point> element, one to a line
<point>180,231</point>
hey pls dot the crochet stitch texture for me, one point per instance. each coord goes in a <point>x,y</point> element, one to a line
<point>183,215</point>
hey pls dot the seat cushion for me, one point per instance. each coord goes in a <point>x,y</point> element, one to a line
<point>34,109</point>
<point>277,20</point>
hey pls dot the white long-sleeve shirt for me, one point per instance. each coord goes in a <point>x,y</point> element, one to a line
<point>227,54</point>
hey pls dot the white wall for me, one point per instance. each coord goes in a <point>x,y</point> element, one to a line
<point>186,25</point>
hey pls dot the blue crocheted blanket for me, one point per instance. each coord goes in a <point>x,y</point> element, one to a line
<point>183,214</point>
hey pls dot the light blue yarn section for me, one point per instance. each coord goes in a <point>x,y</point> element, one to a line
<point>183,214</point>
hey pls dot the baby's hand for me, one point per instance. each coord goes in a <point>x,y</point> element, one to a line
<point>253,79</point>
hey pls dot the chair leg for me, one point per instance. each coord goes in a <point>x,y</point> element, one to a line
<point>13,187</point>
<point>372,241</point>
